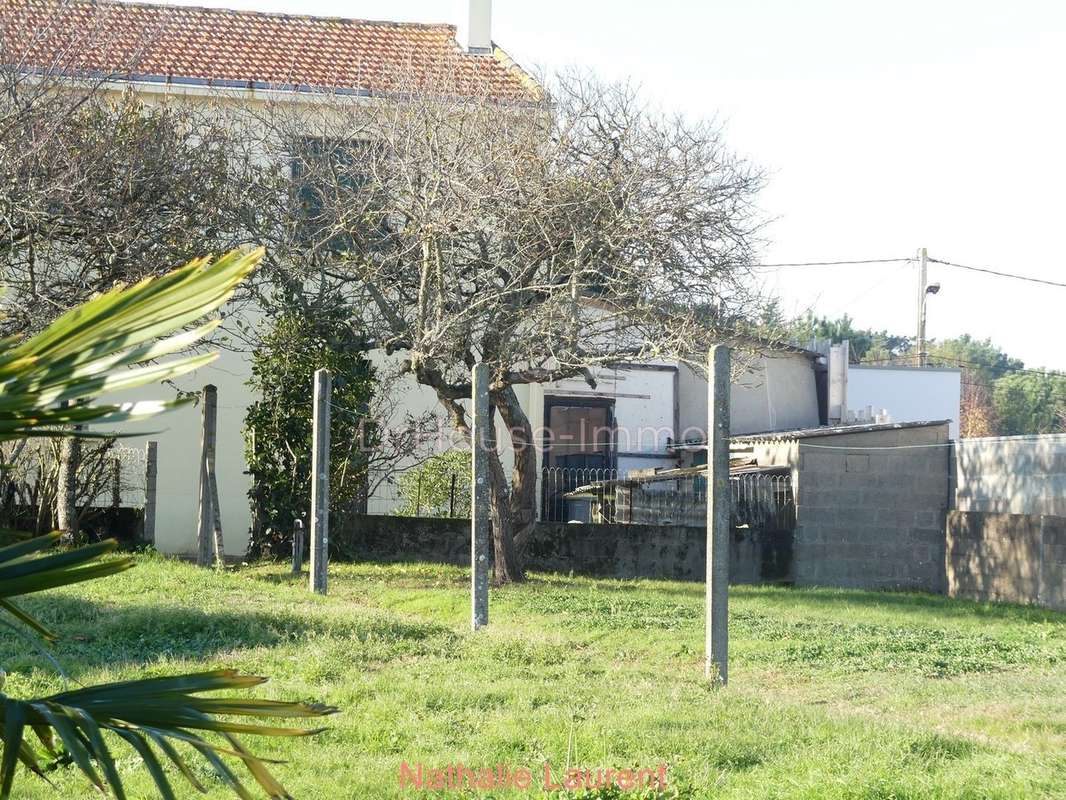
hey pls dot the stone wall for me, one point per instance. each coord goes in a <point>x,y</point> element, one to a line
<point>617,551</point>
<point>1018,558</point>
<point>871,509</point>
<point>650,551</point>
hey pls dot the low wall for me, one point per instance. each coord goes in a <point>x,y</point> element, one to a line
<point>653,551</point>
<point>617,551</point>
<point>1018,558</point>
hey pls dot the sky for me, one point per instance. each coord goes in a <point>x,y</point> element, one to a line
<point>882,127</point>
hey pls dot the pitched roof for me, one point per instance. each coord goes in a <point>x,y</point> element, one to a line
<point>224,48</point>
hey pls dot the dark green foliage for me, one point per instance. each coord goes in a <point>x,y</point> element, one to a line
<point>277,429</point>
<point>982,358</point>
<point>866,344</point>
<point>1030,402</point>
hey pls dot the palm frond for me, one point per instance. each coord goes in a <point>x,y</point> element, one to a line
<point>151,714</point>
<point>24,571</point>
<point>90,350</point>
<point>99,347</point>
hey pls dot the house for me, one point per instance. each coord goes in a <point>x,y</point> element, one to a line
<point>657,417</point>
<point>636,416</point>
<point>245,58</point>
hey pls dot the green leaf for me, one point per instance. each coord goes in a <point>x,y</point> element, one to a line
<point>99,750</point>
<point>155,769</point>
<point>27,620</point>
<point>71,739</point>
<point>14,723</point>
<point>172,753</point>
<point>90,349</point>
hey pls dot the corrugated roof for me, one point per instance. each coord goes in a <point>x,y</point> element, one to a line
<point>838,430</point>
<point>222,47</point>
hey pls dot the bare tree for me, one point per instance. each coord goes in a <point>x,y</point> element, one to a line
<point>98,187</point>
<point>977,414</point>
<point>544,235</point>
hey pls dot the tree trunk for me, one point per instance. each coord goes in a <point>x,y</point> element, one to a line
<point>523,499</point>
<point>67,489</point>
<point>513,508</point>
<point>506,565</point>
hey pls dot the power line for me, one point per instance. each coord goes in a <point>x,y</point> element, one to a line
<point>1002,371</point>
<point>999,273</point>
<point>831,263</point>
<point>985,270</point>
<point>998,372</point>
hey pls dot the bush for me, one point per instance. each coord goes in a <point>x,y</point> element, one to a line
<point>427,490</point>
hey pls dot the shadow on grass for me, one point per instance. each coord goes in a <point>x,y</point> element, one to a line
<point>811,597</point>
<point>92,636</point>
<point>915,602</point>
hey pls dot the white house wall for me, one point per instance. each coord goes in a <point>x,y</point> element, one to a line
<point>908,394</point>
<point>643,410</point>
<point>178,435</point>
<point>776,392</point>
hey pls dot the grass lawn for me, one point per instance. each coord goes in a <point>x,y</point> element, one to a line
<point>834,694</point>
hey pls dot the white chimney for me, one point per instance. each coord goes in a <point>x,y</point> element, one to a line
<point>838,383</point>
<point>479,31</point>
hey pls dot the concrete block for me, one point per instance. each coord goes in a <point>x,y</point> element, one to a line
<point>857,462</point>
<point>927,519</point>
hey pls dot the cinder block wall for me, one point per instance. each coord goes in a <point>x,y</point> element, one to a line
<point>1017,558</point>
<point>1012,475</point>
<point>872,513</point>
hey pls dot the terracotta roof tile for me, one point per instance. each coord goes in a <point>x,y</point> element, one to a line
<point>223,47</point>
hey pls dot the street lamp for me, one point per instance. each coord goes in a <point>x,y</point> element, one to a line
<point>924,290</point>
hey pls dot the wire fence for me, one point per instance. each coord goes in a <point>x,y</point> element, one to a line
<point>108,474</point>
<point>416,493</point>
<point>759,500</point>
<point>557,483</point>
<point>600,495</point>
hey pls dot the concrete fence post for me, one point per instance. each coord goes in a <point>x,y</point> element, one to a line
<point>480,525</point>
<point>320,482</point>
<point>718,515</point>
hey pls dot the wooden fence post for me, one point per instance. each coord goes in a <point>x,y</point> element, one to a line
<point>151,472</point>
<point>217,545</point>
<point>718,515</point>
<point>205,523</point>
<point>480,526</point>
<point>320,482</point>
<point>116,482</point>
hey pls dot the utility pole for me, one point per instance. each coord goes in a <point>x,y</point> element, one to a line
<point>923,294</point>
<point>719,498</point>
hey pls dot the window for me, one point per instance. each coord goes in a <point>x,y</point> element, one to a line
<point>331,189</point>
